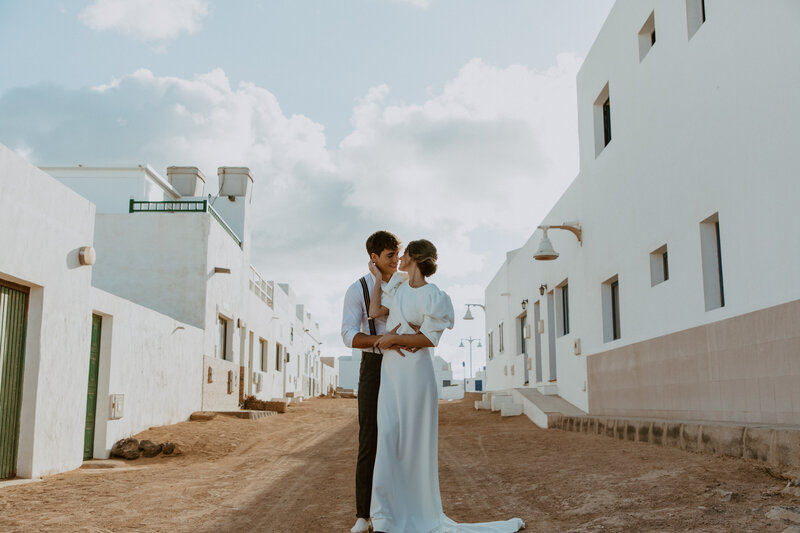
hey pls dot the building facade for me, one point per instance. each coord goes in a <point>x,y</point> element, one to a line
<point>127,301</point>
<point>678,298</point>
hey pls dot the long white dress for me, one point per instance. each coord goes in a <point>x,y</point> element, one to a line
<point>405,483</point>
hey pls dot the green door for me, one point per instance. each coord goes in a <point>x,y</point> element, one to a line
<point>13,311</point>
<point>91,395</point>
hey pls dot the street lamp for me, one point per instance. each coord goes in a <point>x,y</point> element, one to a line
<point>546,251</point>
<point>470,340</point>
<point>468,315</point>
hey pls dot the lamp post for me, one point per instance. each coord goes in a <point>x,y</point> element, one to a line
<point>470,340</point>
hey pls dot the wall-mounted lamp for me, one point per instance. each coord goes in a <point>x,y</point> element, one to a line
<point>468,315</point>
<point>86,256</point>
<point>524,304</point>
<point>542,288</point>
<point>546,251</point>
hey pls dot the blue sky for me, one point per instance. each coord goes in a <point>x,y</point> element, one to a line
<point>453,120</point>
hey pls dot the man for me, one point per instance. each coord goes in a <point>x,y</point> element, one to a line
<point>360,332</point>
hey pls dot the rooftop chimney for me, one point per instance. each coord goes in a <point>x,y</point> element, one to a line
<point>234,181</point>
<point>188,181</point>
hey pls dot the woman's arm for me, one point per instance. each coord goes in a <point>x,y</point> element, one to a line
<point>375,307</point>
<point>416,340</point>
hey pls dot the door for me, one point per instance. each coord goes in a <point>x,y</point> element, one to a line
<point>523,344</point>
<point>537,340</point>
<point>91,393</point>
<point>551,333</point>
<point>13,325</point>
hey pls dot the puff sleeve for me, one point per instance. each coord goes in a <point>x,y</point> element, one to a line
<point>389,289</point>
<point>438,316</point>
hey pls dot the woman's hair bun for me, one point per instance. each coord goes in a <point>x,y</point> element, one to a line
<point>423,252</point>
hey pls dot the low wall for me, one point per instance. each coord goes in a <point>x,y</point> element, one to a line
<point>774,445</point>
<point>743,369</point>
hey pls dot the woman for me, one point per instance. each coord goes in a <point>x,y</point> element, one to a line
<point>405,484</point>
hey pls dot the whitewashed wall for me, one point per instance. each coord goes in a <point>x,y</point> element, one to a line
<point>42,226</point>
<point>699,126</point>
<point>151,359</point>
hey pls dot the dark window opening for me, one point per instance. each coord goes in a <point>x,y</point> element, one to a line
<point>615,310</point>
<point>607,121</point>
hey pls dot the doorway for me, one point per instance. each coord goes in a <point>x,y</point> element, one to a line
<point>551,334</point>
<point>537,340</point>
<point>13,328</point>
<point>91,393</point>
<point>523,343</point>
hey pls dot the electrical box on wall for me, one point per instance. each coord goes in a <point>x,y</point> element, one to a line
<point>527,331</point>
<point>116,403</point>
<point>577,346</point>
<point>541,326</point>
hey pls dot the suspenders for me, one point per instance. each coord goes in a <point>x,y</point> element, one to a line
<point>371,321</point>
<point>366,302</point>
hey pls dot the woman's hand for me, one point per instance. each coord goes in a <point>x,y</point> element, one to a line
<point>374,270</point>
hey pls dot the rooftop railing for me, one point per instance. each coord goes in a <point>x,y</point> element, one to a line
<point>262,288</point>
<point>183,206</point>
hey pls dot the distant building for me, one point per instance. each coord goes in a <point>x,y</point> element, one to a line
<point>679,297</point>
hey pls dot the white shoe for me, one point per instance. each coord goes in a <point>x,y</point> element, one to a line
<point>362,526</point>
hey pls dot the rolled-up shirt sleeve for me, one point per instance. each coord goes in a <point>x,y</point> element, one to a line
<point>352,314</point>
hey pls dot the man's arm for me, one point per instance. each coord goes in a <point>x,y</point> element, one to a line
<point>352,315</point>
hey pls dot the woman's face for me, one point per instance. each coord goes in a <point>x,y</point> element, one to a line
<point>405,261</point>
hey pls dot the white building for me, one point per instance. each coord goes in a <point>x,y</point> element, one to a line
<point>682,300</point>
<point>329,374</point>
<point>131,314</point>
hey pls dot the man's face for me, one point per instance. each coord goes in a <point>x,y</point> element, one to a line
<point>386,261</point>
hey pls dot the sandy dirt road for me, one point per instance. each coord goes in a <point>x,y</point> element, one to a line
<point>295,473</point>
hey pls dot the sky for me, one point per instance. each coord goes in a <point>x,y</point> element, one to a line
<point>450,120</point>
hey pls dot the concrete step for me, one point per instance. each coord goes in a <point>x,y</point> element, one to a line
<point>498,401</point>
<point>482,404</point>
<point>513,409</point>
<point>544,409</point>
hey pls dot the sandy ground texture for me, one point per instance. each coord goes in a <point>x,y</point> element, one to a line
<point>295,473</point>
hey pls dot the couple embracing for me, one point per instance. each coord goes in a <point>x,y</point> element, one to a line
<point>396,319</point>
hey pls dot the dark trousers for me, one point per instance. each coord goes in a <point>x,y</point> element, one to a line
<point>369,382</point>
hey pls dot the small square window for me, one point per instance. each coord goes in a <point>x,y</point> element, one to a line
<point>695,15</point>
<point>602,120</point>
<point>659,266</point>
<point>611,310</point>
<point>647,36</point>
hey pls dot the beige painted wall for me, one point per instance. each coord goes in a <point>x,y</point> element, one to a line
<point>741,369</point>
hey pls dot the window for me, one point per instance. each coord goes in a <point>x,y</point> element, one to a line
<point>562,308</point>
<point>695,15</point>
<point>291,334</point>
<point>659,266</point>
<point>711,254</point>
<point>647,36</point>
<point>490,345</point>
<point>611,310</point>
<point>602,120</point>
<point>222,340</point>
<point>278,356</point>
<point>264,355</point>
<point>500,335</point>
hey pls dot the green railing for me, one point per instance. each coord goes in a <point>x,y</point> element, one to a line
<point>177,206</point>
<point>183,206</point>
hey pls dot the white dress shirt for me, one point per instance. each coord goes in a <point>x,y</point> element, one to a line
<point>355,315</point>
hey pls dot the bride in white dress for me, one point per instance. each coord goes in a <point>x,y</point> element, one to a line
<point>405,483</point>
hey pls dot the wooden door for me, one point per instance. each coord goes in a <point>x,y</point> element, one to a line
<point>13,326</point>
<point>91,394</point>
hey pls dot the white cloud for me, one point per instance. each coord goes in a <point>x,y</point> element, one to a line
<point>146,20</point>
<point>422,4</point>
<point>474,168</point>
